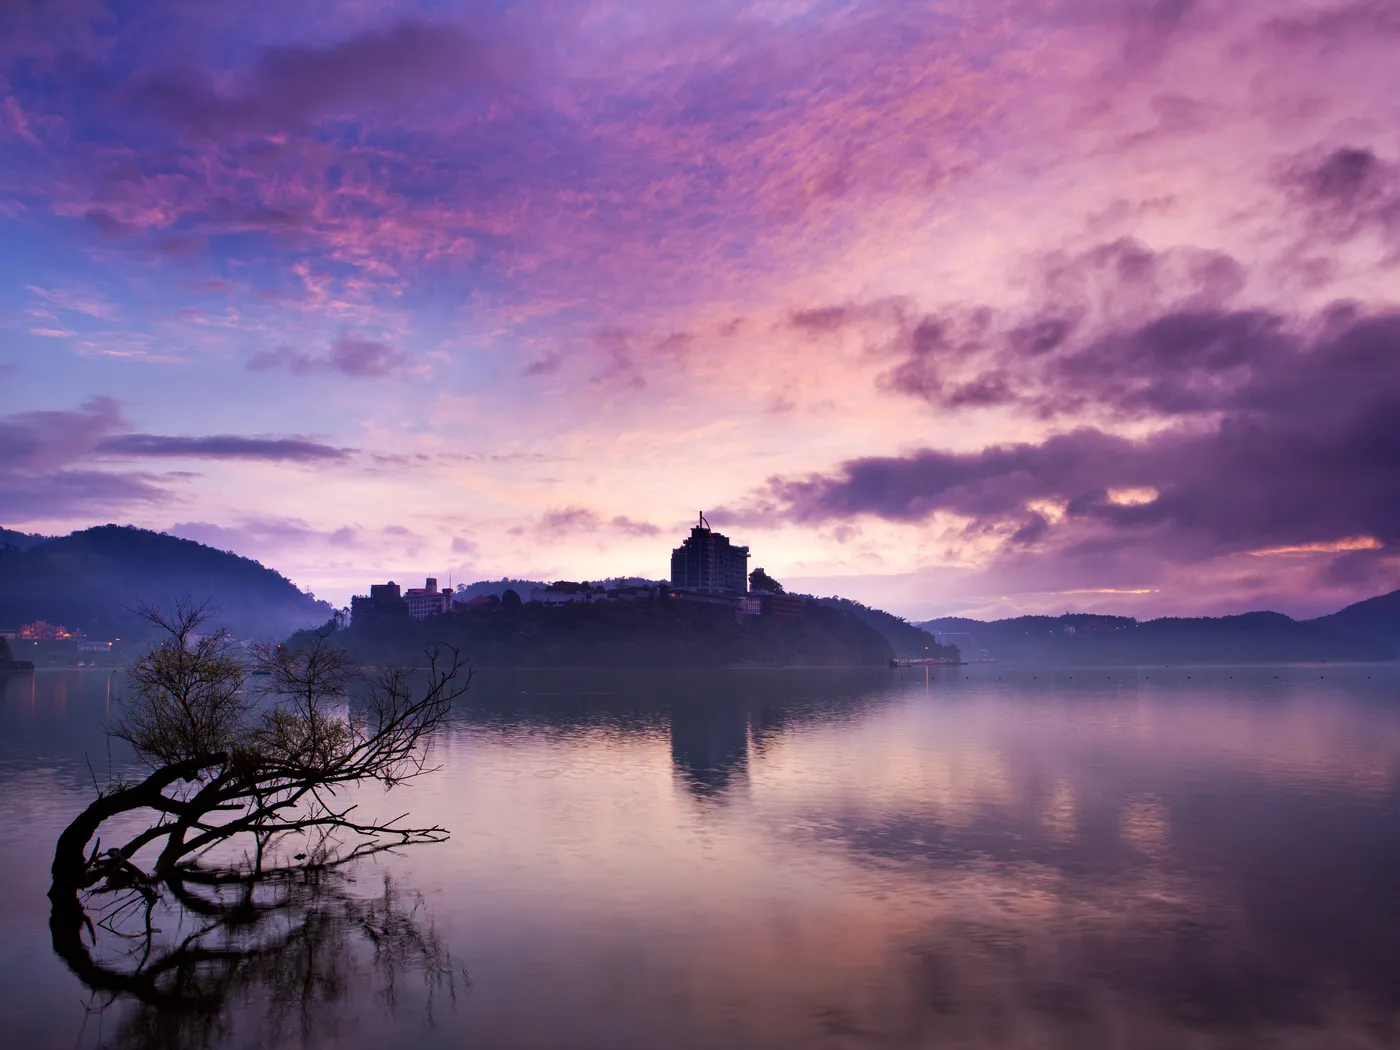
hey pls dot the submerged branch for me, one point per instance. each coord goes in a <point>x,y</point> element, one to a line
<point>229,765</point>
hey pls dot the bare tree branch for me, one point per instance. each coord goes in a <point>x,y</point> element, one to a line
<point>260,765</point>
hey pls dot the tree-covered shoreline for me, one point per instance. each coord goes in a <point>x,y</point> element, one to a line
<point>668,632</point>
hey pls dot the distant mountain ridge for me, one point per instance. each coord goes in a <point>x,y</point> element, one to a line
<point>92,579</point>
<point>1376,618</point>
<point>1365,630</point>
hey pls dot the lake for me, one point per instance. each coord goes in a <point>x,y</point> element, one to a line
<point>965,857</point>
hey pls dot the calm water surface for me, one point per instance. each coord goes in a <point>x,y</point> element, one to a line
<point>989,858</point>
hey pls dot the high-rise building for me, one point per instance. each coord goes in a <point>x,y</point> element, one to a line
<point>708,563</point>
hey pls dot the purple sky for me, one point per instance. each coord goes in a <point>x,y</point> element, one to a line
<point>980,306</point>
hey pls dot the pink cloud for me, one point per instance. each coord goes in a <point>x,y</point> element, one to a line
<point>673,248</point>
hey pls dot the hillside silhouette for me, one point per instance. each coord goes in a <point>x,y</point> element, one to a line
<point>20,540</point>
<point>660,633</point>
<point>907,640</point>
<point>1366,630</point>
<point>91,580</point>
<point>1375,619</point>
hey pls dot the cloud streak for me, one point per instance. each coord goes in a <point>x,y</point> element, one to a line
<point>50,461</point>
<point>222,446</point>
<point>40,464</point>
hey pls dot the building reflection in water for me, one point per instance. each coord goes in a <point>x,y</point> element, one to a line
<point>710,746</point>
<point>711,740</point>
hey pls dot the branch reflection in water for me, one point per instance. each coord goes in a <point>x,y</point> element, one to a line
<point>254,961</point>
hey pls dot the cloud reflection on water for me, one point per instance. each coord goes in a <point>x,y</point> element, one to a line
<point>776,860</point>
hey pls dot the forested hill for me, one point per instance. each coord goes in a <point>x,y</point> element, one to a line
<point>90,581</point>
<point>1368,630</point>
<point>1376,619</point>
<point>663,633</point>
<point>20,540</point>
<point>907,640</point>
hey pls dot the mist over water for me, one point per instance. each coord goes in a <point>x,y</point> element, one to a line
<point>968,857</point>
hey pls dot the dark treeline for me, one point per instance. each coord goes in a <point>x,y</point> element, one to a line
<point>907,640</point>
<point>659,633</point>
<point>92,580</point>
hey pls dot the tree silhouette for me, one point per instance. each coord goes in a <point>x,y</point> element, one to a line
<point>761,581</point>
<point>245,783</point>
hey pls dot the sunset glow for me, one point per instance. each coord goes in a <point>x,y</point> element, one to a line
<point>953,307</point>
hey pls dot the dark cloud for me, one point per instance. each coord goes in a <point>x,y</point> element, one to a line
<point>931,346</point>
<point>622,523</point>
<point>1116,327</point>
<point>367,358</point>
<point>40,464</point>
<point>1344,23</point>
<point>108,225</point>
<point>291,86</point>
<point>1346,191</point>
<point>1039,337</point>
<point>1162,17</point>
<point>222,446</point>
<point>822,319</point>
<point>350,355</point>
<point>37,442</point>
<point>581,519</point>
<point>65,493</point>
<point>1343,175</point>
<point>281,357</point>
<point>1126,275</point>
<point>47,458</point>
<point>990,388</point>
<point>1147,27</point>
<point>1284,441</point>
<point>1151,25</point>
<point>992,484</point>
<point>543,366</point>
<point>227,216</point>
<point>1183,363</point>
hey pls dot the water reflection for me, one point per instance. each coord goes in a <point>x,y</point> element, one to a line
<point>254,964</point>
<point>710,746</point>
<point>1140,859</point>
